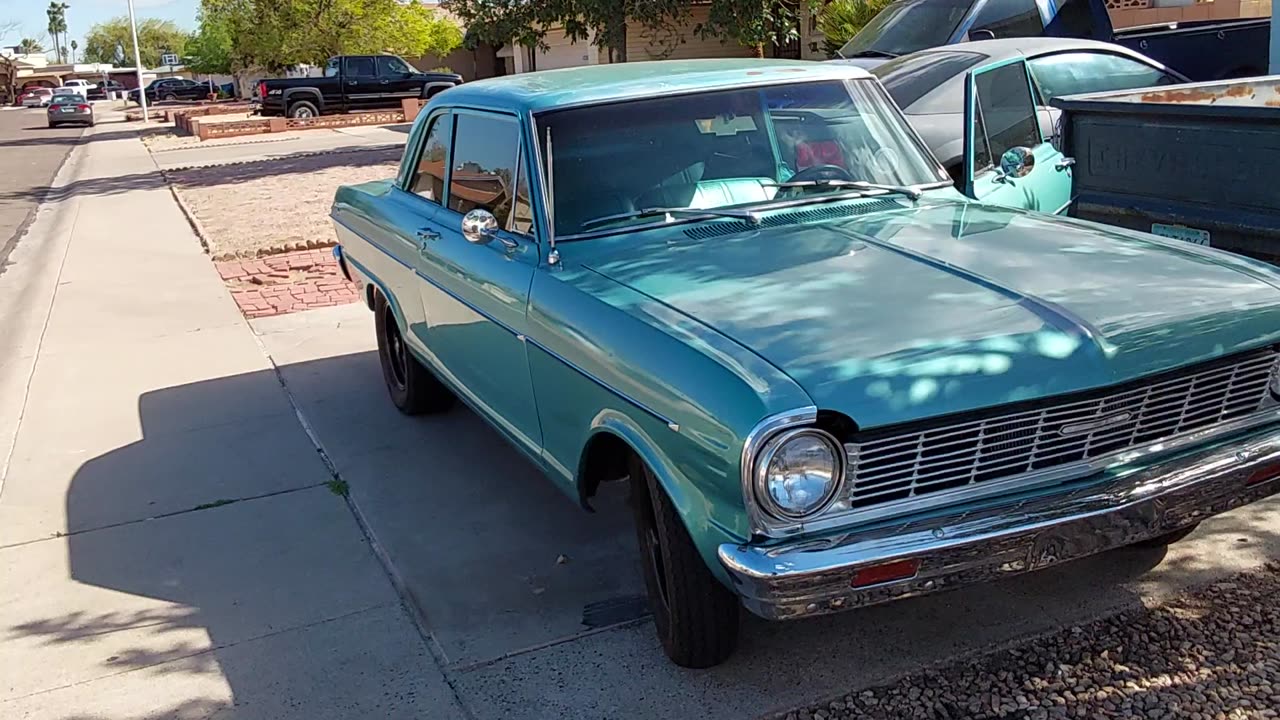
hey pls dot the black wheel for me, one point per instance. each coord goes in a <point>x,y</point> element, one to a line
<point>1167,539</point>
<point>696,616</point>
<point>414,390</point>
<point>302,110</point>
<point>169,97</point>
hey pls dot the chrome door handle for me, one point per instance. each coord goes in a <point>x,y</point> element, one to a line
<point>508,243</point>
<point>1064,163</point>
<point>351,82</point>
<point>385,82</point>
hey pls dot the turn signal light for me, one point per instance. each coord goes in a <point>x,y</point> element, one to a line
<point>1264,474</point>
<point>888,572</point>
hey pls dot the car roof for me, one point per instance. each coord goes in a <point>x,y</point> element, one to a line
<point>591,84</point>
<point>951,90</point>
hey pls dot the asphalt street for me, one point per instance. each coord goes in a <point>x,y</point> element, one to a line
<point>30,154</point>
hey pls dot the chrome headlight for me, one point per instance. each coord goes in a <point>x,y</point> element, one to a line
<point>798,473</point>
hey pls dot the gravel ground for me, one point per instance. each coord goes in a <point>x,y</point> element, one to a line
<point>1213,654</point>
<point>264,207</point>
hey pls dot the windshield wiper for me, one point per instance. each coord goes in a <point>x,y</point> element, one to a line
<point>747,215</point>
<point>869,53</point>
<point>907,190</point>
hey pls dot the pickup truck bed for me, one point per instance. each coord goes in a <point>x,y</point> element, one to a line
<point>1199,162</point>
<point>1238,48</point>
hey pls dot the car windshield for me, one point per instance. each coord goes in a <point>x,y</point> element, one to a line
<point>67,100</point>
<point>907,26</point>
<point>725,149</point>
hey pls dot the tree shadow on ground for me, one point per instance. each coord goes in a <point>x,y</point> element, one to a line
<point>222,563</point>
<point>41,137</point>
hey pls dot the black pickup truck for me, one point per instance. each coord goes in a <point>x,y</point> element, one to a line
<point>351,82</point>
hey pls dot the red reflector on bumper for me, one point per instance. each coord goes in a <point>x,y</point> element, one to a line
<point>1264,474</point>
<point>888,572</point>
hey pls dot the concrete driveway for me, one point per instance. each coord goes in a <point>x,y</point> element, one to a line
<point>534,608</point>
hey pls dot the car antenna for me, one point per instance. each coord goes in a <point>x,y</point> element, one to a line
<point>553,257</point>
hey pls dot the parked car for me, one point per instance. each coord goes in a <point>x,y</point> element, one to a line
<point>1207,50</point>
<point>36,97</point>
<point>101,90</point>
<point>84,85</point>
<point>930,85</point>
<point>69,108</point>
<point>171,89</point>
<point>1194,162</point>
<point>71,90</point>
<point>748,291</point>
<point>351,82</point>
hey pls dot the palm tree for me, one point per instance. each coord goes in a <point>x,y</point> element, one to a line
<point>57,13</point>
<point>30,46</point>
<point>73,51</point>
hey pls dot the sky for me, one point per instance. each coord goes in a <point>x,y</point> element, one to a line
<point>84,14</point>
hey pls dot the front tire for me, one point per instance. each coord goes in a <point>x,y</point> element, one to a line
<point>302,110</point>
<point>413,389</point>
<point>695,615</point>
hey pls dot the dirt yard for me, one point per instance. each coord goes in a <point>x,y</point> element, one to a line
<point>270,206</point>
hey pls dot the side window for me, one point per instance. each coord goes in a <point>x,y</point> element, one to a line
<point>483,162</point>
<point>1084,72</point>
<point>1006,111</point>
<point>428,179</point>
<point>360,67</point>
<point>389,66</point>
<point>1007,19</point>
<point>331,67</point>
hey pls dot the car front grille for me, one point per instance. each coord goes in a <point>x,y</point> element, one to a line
<point>916,461</point>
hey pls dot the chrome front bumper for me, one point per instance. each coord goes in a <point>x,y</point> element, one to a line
<point>969,546</point>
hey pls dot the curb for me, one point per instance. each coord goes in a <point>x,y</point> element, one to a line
<point>313,153</point>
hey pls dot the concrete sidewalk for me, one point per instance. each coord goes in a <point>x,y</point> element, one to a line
<point>168,547</point>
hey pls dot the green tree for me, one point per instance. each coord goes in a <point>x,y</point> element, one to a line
<point>74,46</point>
<point>840,20</point>
<point>209,48</point>
<point>498,22</point>
<point>754,23</point>
<point>111,41</point>
<point>57,14</point>
<point>30,46</point>
<point>276,34</point>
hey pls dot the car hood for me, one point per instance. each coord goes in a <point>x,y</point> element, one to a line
<point>947,307</point>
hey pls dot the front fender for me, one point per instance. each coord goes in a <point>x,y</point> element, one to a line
<point>692,504</point>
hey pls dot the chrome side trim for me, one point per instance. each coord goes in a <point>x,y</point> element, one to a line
<point>975,545</point>
<point>761,522</point>
<point>671,424</point>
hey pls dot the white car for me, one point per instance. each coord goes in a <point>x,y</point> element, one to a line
<point>78,83</point>
<point>80,90</point>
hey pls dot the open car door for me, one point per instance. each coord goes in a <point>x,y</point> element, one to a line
<point>1008,157</point>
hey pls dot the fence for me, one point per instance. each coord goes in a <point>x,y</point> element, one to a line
<point>409,109</point>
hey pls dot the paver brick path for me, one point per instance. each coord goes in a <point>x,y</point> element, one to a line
<point>285,283</point>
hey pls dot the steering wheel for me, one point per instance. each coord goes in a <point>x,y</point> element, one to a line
<point>819,173</point>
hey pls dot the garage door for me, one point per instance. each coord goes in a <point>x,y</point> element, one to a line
<point>561,53</point>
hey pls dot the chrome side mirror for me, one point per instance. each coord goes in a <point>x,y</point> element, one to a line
<point>479,226</point>
<point>1016,162</point>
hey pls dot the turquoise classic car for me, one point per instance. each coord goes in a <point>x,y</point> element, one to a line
<point>746,289</point>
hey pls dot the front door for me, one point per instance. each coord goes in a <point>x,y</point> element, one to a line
<point>1008,158</point>
<point>396,79</point>
<point>475,290</point>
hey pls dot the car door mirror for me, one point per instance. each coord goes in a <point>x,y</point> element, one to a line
<point>1016,162</point>
<point>479,226</point>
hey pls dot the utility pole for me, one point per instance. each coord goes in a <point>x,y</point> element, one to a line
<point>137,64</point>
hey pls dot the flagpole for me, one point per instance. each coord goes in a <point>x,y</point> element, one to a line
<point>137,63</point>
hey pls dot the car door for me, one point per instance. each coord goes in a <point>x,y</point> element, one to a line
<point>476,262</point>
<point>396,80</point>
<point>1008,159</point>
<point>360,78</point>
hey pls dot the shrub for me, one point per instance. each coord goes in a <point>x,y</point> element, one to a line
<point>840,20</point>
